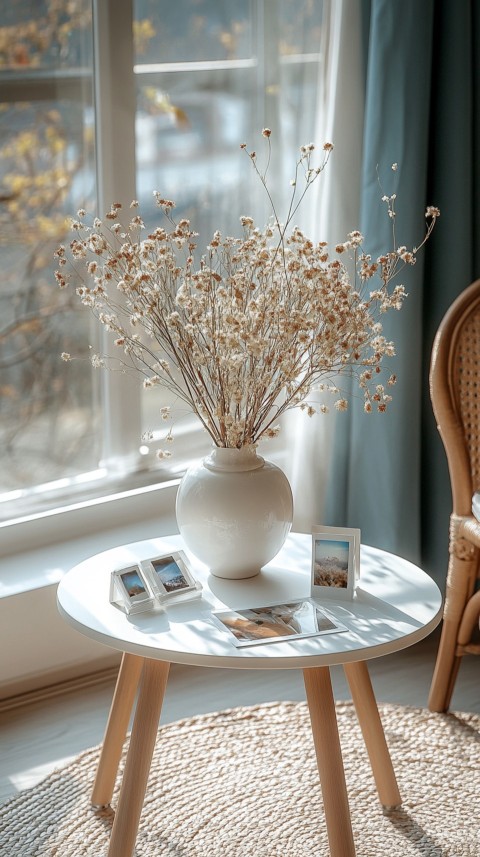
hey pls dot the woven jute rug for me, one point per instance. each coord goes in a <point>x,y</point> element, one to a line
<point>244,783</point>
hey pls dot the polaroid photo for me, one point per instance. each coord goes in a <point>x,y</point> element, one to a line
<point>170,577</point>
<point>335,562</point>
<point>130,589</point>
<point>277,622</point>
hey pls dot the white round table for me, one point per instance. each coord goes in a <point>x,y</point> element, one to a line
<point>396,605</point>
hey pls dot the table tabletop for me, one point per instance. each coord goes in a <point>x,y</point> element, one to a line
<point>395,605</point>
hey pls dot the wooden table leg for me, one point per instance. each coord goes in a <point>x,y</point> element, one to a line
<point>139,757</point>
<point>115,733</point>
<point>371,725</point>
<point>329,760</point>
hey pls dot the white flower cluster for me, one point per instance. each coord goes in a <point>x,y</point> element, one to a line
<point>258,324</point>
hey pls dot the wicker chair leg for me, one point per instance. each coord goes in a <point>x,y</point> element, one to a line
<point>460,584</point>
<point>446,668</point>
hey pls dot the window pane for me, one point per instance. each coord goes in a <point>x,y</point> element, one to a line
<point>186,31</point>
<point>300,26</point>
<point>45,34</point>
<point>48,411</point>
<point>196,161</point>
<point>192,117</point>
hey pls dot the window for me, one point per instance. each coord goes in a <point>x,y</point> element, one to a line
<point>206,76</point>
<point>48,420</point>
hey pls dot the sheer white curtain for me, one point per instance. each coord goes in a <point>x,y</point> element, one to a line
<point>333,213</point>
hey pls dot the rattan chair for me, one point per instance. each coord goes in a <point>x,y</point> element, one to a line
<point>455,394</point>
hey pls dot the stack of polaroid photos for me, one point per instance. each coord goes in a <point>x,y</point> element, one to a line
<point>157,581</point>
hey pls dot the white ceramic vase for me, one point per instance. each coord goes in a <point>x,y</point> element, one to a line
<point>234,511</point>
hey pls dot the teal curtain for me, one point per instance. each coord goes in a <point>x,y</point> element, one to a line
<point>389,474</point>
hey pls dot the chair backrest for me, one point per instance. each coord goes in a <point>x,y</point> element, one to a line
<point>455,394</point>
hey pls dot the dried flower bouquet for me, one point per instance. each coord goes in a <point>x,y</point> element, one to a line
<point>257,325</point>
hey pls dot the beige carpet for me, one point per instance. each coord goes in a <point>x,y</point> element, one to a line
<point>243,783</point>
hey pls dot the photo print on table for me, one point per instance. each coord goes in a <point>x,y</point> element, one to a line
<point>130,589</point>
<point>132,582</point>
<point>292,620</point>
<point>335,562</point>
<point>170,575</point>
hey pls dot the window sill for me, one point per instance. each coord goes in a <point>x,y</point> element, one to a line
<point>36,551</point>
